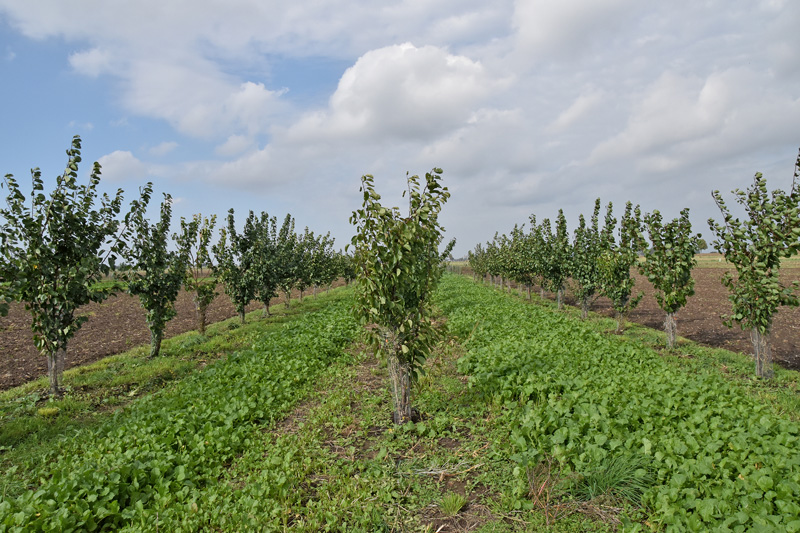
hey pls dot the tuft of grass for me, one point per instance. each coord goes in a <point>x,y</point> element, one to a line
<point>618,479</point>
<point>452,503</point>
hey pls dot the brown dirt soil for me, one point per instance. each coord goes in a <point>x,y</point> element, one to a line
<point>114,326</point>
<point>700,320</point>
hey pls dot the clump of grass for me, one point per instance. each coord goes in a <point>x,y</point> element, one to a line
<point>452,503</point>
<point>616,478</point>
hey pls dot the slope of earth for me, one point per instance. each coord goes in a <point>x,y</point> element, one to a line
<point>114,326</point>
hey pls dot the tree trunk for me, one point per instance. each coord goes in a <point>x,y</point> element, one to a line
<point>200,315</point>
<point>155,343</point>
<point>541,292</point>
<point>671,330</point>
<point>763,352</point>
<point>266,309</point>
<point>560,297</point>
<point>241,316</point>
<point>55,372</point>
<point>301,295</point>
<point>287,297</point>
<point>400,376</point>
<point>529,291</point>
<point>620,322</point>
<point>315,292</point>
<point>584,308</point>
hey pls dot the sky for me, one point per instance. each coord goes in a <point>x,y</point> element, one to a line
<point>528,106</point>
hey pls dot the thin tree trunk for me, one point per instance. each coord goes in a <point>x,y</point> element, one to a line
<point>315,292</point>
<point>762,352</point>
<point>620,322</point>
<point>400,376</point>
<point>584,308</point>
<point>287,297</point>
<point>560,297</point>
<point>671,330</point>
<point>301,295</point>
<point>155,343</point>
<point>55,372</point>
<point>241,316</point>
<point>200,316</point>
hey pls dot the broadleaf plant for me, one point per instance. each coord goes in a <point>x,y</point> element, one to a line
<point>668,264</point>
<point>195,238</point>
<point>54,250</point>
<point>755,248</point>
<point>398,266</point>
<point>156,273</point>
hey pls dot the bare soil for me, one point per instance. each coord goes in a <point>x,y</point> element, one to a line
<point>116,325</point>
<point>701,319</point>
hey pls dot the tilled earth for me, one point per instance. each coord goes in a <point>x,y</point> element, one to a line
<point>701,319</point>
<point>118,324</point>
<point>114,326</point>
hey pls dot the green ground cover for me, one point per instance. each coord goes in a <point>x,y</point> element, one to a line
<point>533,421</point>
<point>718,458</point>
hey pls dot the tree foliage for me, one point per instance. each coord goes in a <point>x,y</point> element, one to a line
<point>586,252</point>
<point>235,255</point>
<point>156,273</point>
<point>668,264</point>
<point>617,259</point>
<point>755,247</point>
<point>55,248</point>
<point>195,238</point>
<point>399,265</point>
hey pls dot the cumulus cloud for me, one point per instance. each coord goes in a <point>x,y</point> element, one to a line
<point>91,62</point>
<point>578,110</point>
<point>163,149</point>
<point>121,165</point>
<point>399,91</point>
<point>234,145</point>
<point>679,119</point>
<point>567,28</point>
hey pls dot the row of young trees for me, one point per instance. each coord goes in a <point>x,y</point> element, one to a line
<point>600,260</point>
<point>54,251</point>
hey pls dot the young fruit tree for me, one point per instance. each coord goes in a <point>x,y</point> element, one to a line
<point>156,273</point>
<point>617,259</point>
<point>755,247</point>
<point>235,254</point>
<point>55,249</point>
<point>668,265</point>
<point>287,260</point>
<point>266,260</point>
<point>195,238</point>
<point>586,251</point>
<point>558,255</point>
<point>399,265</point>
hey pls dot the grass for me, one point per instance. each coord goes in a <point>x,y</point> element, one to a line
<point>338,463</point>
<point>780,393</point>
<point>98,389</point>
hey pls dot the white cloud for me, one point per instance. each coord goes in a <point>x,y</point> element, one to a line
<point>234,145</point>
<point>401,92</point>
<point>578,110</point>
<point>10,54</point>
<point>91,62</point>
<point>122,165</point>
<point>679,120</point>
<point>163,149</point>
<point>567,28</point>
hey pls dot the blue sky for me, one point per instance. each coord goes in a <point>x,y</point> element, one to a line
<point>529,106</point>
